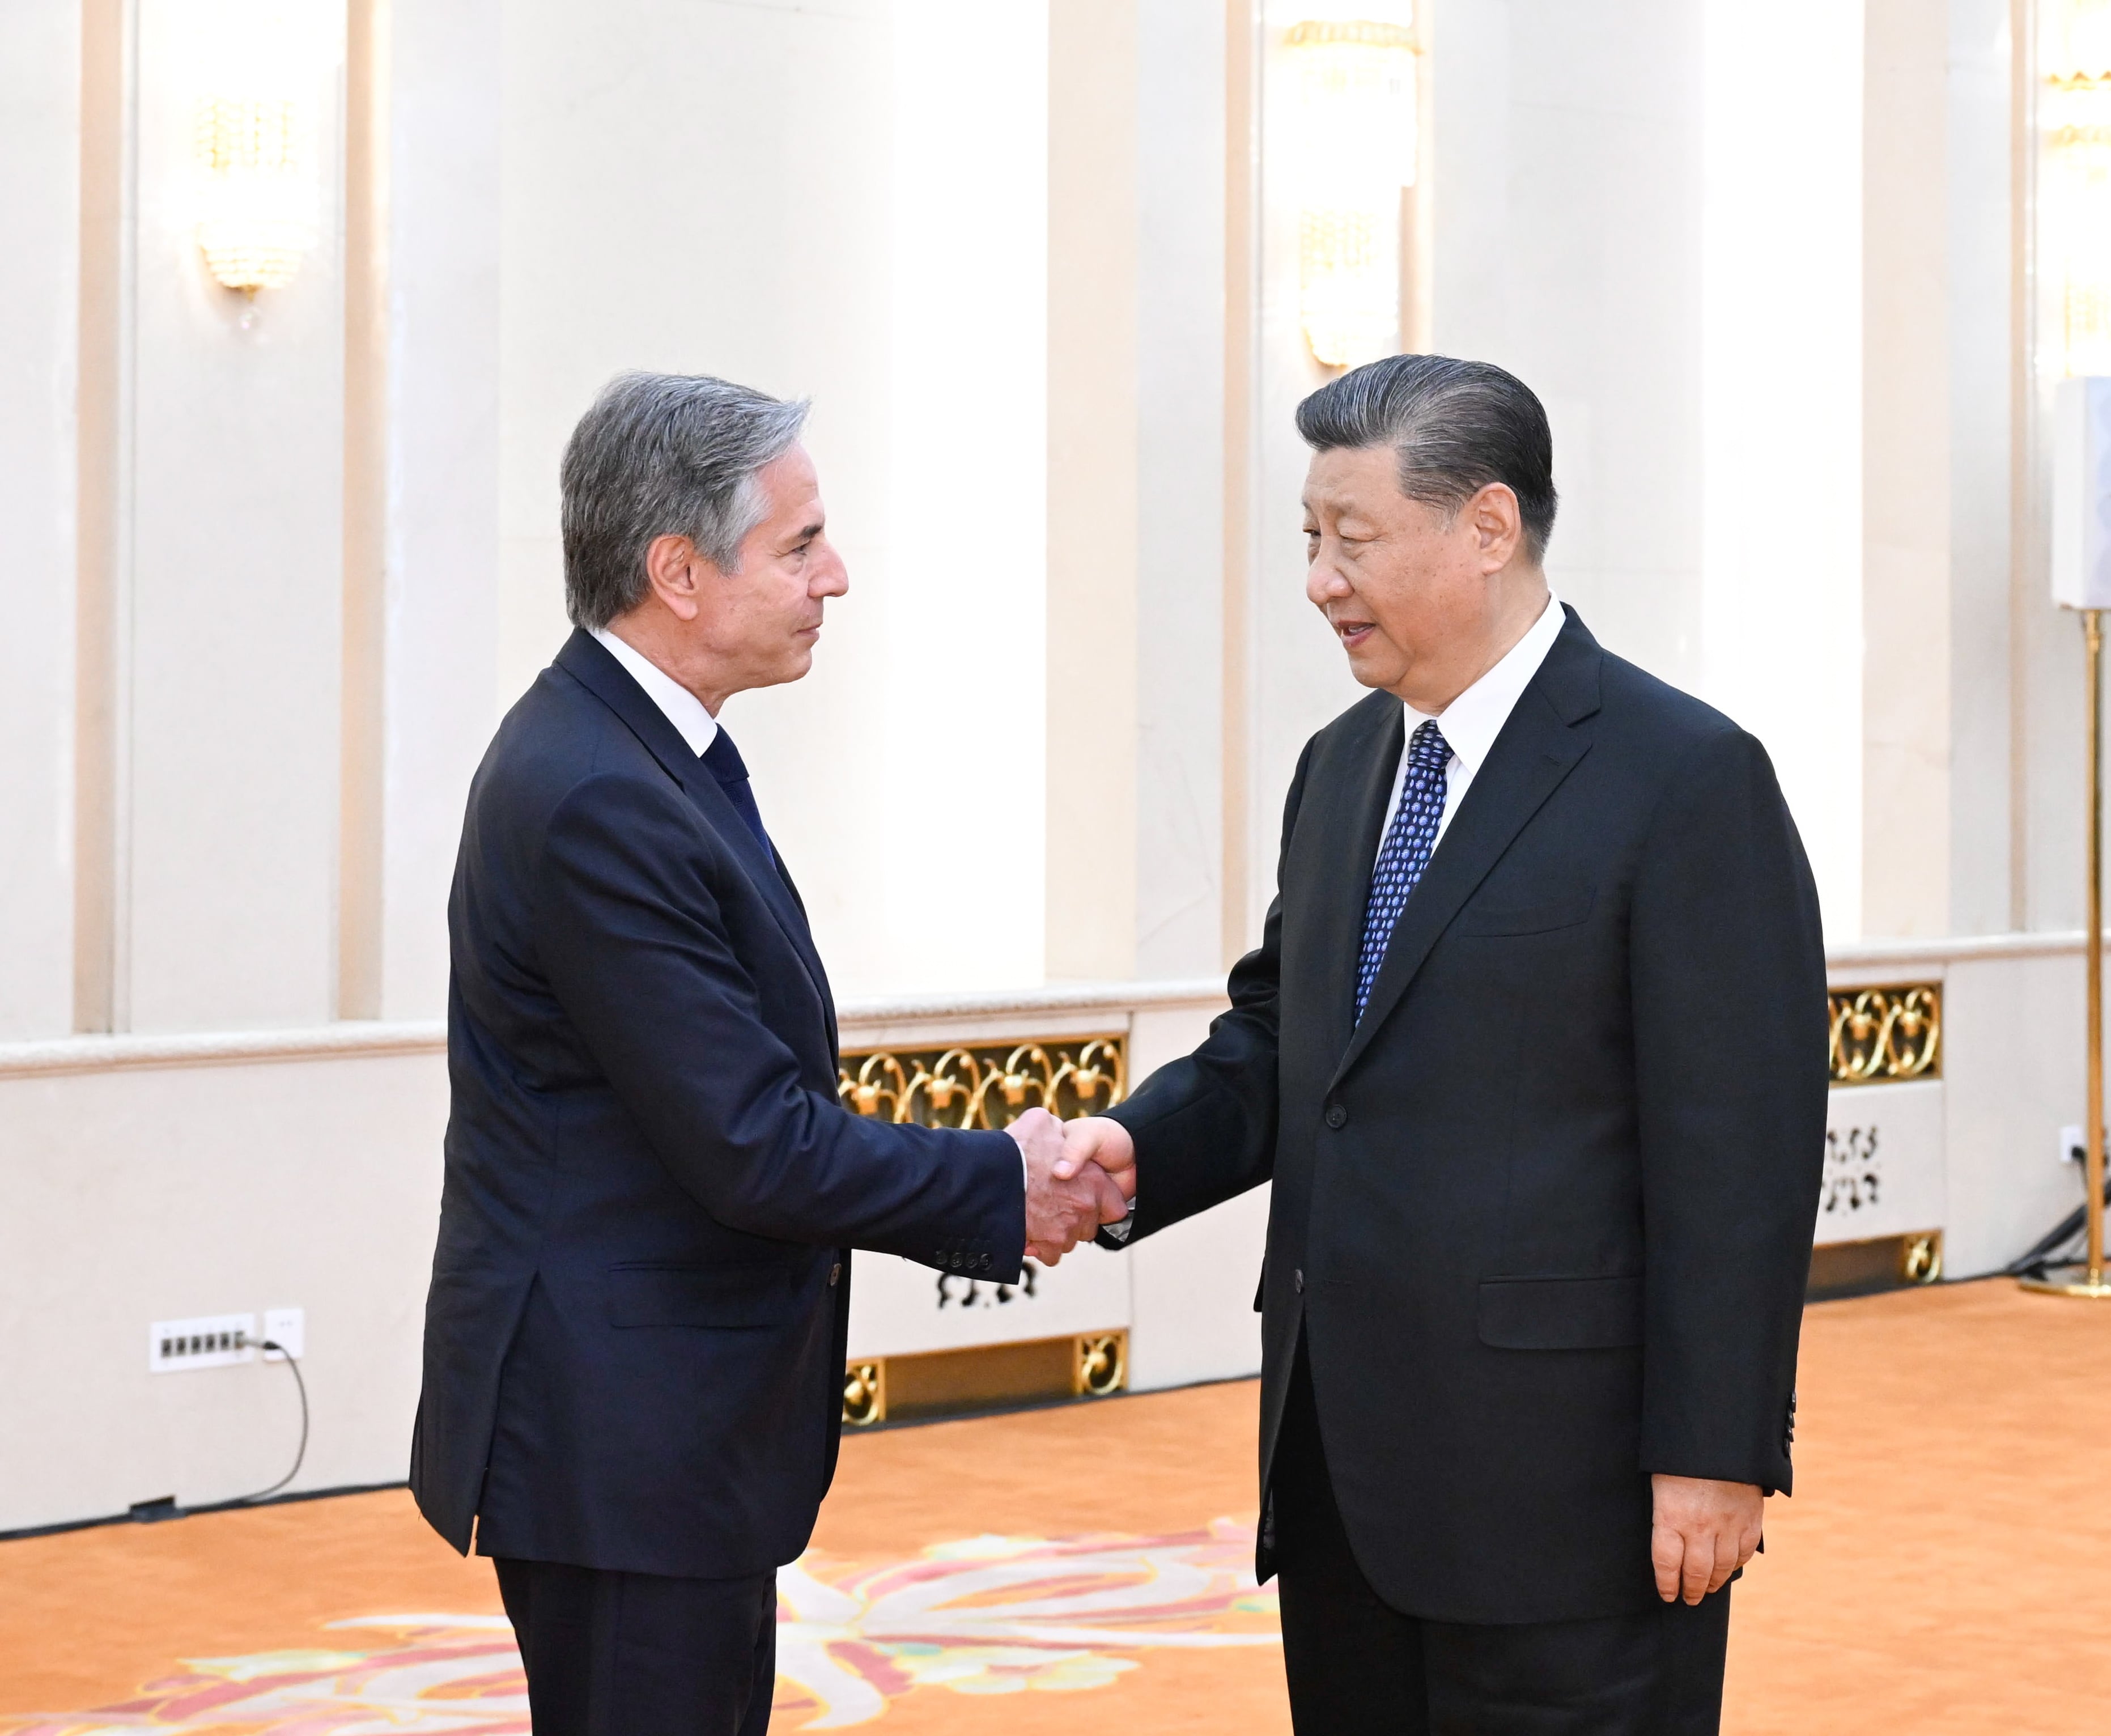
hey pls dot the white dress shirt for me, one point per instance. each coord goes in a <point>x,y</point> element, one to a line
<point>681,707</point>
<point>1472,722</point>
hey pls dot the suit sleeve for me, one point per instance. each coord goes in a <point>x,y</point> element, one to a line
<point>632,939</point>
<point>1204,1126</point>
<point>1728,974</point>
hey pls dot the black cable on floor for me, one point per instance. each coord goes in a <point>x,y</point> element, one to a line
<point>2047,1253</point>
<point>293,1362</point>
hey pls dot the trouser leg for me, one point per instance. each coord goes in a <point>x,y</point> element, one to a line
<point>1356,1666</point>
<point>625,1654</point>
<point>1353,1663</point>
<point>1656,1673</point>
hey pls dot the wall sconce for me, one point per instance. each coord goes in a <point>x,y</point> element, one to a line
<point>256,194</point>
<point>1354,148</point>
<point>2074,107</point>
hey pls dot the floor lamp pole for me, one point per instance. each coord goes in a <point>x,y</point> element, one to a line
<point>2091,1282</point>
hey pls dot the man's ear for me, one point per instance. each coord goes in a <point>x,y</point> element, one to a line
<point>671,564</point>
<point>1497,524</point>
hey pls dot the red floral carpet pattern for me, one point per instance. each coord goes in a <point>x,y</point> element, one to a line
<point>983,1616</point>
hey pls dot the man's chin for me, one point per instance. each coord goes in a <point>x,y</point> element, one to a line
<point>1372,671</point>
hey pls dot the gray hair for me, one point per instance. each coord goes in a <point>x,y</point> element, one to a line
<point>1455,427</point>
<point>660,455</point>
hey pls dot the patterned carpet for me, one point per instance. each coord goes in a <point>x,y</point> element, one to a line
<point>1931,1575</point>
<point>983,1615</point>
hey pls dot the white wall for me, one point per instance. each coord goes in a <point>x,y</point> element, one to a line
<point>1297,677</point>
<point>40,58</point>
<point>1782,433</point>
<point>1567,190</point>
<point>161,1193</point>
<point>440,538</point>
<point>2013,1052</point>
<point>1180,487</point>
<point>231,1183</point>
<point>1984,895</point>
<point>229,800</point>
<point>1650,213</point>
<point>790,198</point>
<point>1192,1286</point>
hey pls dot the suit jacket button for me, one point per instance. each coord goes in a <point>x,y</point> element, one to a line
<point>1338,1116</point>
<point>1297,1280</point>
<point>835,1272</point>
<point>984,1262</point>
<point>956,1262</point>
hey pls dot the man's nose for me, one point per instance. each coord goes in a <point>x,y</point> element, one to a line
<point>1323,580</point>
<point>835,576</point>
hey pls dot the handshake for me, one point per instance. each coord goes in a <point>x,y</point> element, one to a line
<point>1080,1175</point>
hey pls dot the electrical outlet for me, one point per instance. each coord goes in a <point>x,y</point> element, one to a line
<point>288,1329</point>
<point>211,1340</point>
<point>2073,1148</point>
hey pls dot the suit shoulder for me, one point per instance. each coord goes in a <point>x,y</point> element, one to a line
<point>1672,716</point>
<point>556,737</point>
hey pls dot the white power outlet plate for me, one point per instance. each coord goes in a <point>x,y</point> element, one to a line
<point>2072,1147</point>
<point>209,1341</point>
<point>288,1328</point>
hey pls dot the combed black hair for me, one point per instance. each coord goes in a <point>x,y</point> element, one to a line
<point>1456,426</point>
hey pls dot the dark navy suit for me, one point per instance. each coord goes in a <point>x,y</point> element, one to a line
<point>635,1337</point>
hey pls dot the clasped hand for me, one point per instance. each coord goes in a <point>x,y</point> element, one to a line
<point>1075,1181</point>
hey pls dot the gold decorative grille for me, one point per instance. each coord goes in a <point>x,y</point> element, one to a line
<point>984,1085</point>
<point>1881,1036</point>
<point>982,1377</point>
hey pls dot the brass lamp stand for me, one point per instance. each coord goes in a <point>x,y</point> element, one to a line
<point>2091,1282</point>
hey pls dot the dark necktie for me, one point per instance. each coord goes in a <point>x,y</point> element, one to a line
<point>1406,851</point>
<point>723,760</point>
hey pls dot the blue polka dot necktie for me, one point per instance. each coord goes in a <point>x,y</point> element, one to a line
<point>1405,850</point>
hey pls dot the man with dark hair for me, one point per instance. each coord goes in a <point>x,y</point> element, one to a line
<point>634,1338</point>
<point>1533,1049</point>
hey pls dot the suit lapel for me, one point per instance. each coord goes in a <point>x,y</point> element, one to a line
<point>1538,748</point>
<point>587,661</point>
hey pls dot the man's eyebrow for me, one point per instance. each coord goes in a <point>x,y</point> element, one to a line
<point>809,533</point>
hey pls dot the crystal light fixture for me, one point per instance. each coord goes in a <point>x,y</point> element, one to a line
<point>2075,107</point>
<point>1354,150</point>
<point>256,193</point>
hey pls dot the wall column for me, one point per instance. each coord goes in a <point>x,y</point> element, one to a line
<point>40,130</point>
<point>1093,458</point>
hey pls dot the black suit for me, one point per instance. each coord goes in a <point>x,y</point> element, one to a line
<point>634,1339</point>
<point>1541,1219</point>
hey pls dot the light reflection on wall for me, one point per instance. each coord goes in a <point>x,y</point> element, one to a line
<point>1353,148</point>
<point>2074,114</point>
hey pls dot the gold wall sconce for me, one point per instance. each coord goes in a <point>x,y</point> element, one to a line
<point>2075,111</point>
<point>254,138</point>
<point>1354,145</point>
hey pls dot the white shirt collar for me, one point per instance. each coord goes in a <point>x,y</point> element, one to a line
<point>1472,722</point>
<point>681,707</point>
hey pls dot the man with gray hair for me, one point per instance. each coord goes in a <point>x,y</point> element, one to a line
<point>1533,1049</point>
<point>635,1335</point>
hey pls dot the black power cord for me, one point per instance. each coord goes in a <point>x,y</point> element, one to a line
<point>2047,1252</point>
<point>293,1363</point>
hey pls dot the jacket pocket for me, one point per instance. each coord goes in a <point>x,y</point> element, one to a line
<point>724,1296</point>
<point>1537,918</point>
<point>1561,1313</point>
